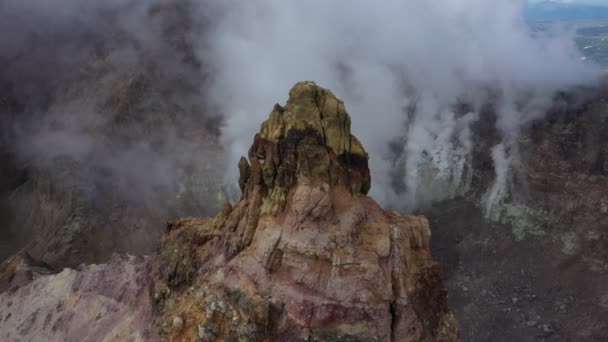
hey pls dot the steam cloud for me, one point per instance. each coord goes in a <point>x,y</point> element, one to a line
<point>103,122</point>
<point>415,75</point>
<point>401,67</point>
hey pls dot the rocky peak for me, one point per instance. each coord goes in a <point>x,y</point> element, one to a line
<point>304,255</point>
<point>312,107</point>
<point>309,137</point>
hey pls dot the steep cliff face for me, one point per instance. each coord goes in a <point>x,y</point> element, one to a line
<point>104,134</point>
<point>305,254</point>
<point>537,268</point>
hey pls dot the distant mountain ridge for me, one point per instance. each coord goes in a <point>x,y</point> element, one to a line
<point>552,11</point>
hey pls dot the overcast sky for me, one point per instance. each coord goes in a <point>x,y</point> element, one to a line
<point>593,2</point>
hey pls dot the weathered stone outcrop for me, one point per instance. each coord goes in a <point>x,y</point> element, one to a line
<point>304,255</point>
<point>108,302</point>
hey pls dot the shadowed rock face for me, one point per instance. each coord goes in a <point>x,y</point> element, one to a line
<point>305,254</point>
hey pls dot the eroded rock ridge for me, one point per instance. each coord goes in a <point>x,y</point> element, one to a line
<point>304,254</point>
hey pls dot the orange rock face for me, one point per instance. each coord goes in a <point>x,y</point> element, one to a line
<point>304,255</point>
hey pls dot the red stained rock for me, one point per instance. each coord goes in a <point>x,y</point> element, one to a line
<point>305,254</point>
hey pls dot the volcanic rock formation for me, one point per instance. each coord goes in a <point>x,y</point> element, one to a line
<point>304,254</point>
<point>108,302</point>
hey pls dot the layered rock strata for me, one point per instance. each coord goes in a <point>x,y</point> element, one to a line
<point>304,255</point>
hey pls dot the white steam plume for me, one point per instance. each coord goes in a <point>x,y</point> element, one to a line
<point>401,67</point>
<point>102,125</point>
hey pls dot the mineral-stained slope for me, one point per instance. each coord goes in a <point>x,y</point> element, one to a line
<point>304,255</point>
<point>108,302</point>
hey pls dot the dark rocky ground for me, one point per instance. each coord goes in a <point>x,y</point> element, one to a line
<point>507,290</point>
<point>540,271</point>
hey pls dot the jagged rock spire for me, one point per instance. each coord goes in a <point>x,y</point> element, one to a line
<point>304,255</point>
<point>309,137</point>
